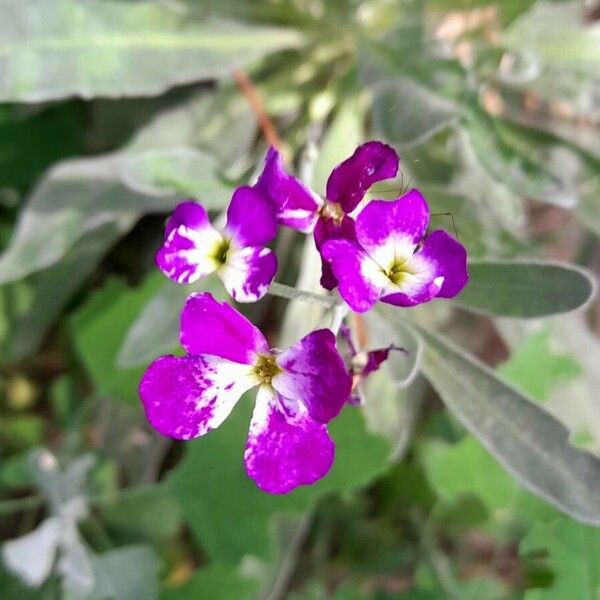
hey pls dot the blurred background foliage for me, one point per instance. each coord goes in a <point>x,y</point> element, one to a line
<point>472,470</point>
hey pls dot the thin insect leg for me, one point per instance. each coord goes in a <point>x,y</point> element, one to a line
<point>451,215</point>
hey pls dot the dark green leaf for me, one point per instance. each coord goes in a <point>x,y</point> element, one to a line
<point>573,552</point>
<point>215,582</point>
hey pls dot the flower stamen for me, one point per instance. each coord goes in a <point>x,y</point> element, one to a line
<point>221,251</point>
<point>266,368</point>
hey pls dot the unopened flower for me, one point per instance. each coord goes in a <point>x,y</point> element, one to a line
<point>393,260</point>
<point>300,208</point>
<point>300,391</point>
<point>193,248</point>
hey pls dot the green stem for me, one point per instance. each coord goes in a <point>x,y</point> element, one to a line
<point>291,293</point>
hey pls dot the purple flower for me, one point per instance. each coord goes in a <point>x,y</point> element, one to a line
<point>301,208</point>
<point>193,248</point>
<point>391,259</point>
<point>300,391</point>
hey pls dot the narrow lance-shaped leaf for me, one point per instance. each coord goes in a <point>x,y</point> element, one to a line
<point>92,48</point>
<point>526,440</point>
<point>525,289</point>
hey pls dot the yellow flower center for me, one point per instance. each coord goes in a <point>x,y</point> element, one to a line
<point>220,252</point>
<point>399,271</point>
<point>266,368</point>
<point>332,210</point>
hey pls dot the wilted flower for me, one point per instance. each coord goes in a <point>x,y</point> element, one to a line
<point>301,208</point>
<point>300,391</point>
<point>193,248</point>
<point>393,260</point>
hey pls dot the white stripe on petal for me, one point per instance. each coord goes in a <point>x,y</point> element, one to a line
<point>248,273</point>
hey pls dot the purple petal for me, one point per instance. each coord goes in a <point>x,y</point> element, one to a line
<point>450,257</point>
<point>361,281</point>
<point>285,449</point>
<point>425,294</point>
<point>349,181</point>
<point>375,358</point>
<point>297,205</point>
<point>439,270</point>
<point>251,218</point>
<point>314,374</point>
<point>186,397</point>
<point>382,223</point>
<point>330,229</point>
<point>215,328</point>
<point>188,213</point>
<point>188,255</point>
<point>248,273</point>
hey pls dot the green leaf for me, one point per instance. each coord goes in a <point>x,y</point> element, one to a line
<point>525,289</point>
<point>98,329</point>
<point>155,330</point>
<point>467,468</point>
<point>174,171</point>
<point>408,114</point>
<point>28,308</point>
<point>509,9</point>
<point>145,513</point>
<point>517,172</point>
<point>537,369</point>
<point>215,582</point>
<point>556,32</point>
<point>127,573</point>
<point>19,166</point>
<point>229,515</point>
<point>115,49</point>
<point>529,443</point>
<point>385,330</point>
<point>75,198</point>
<point>573,550</point>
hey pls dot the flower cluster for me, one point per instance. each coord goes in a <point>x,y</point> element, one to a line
<point>370,251</point>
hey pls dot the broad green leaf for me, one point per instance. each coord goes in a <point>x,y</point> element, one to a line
<point>173,171</point>
<point>127,573</point>
<point>537,368</point>
<point>573,550</point>
<point>557,33</point>
<point>98,329</point>
<point>528,442</point>
<point>75,198</point>
<point>144,513</point>
<point>408,114</point>
<point>217,582</point>
<point>115,49</point>
<point>229,515</point>
<point>467,468</point>
<point>525,289</point>
<point>155,330</point>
